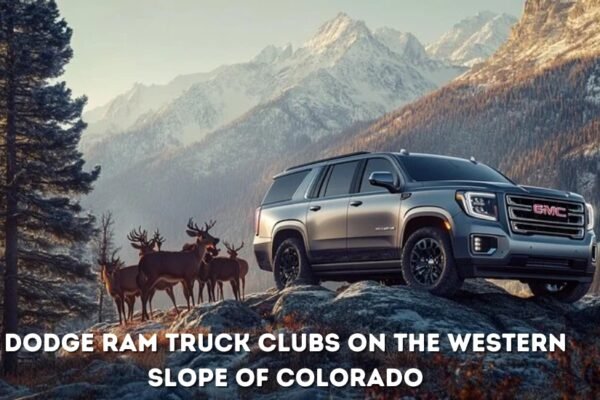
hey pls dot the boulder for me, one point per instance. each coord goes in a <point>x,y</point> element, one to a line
<point>218,317</point>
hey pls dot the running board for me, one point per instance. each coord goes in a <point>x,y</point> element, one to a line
<point>353,268</point>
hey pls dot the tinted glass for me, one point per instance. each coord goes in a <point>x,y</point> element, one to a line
<point>375,165</point>
<point>340,179</point>
<point>284,187</point>
<point>424,168</point>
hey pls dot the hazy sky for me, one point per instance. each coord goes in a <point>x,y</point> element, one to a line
<point>120,42</point>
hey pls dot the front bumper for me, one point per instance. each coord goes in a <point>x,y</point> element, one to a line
<point>522,257</point>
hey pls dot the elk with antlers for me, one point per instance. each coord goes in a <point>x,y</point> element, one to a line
<point>139,240</point>
<point>202,277</point>
<point>233,254</point>
<point>175,266</point>
<point>119,285</point>
<point>220,270</point>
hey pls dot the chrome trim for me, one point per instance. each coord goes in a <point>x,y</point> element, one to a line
<point>575,230</point>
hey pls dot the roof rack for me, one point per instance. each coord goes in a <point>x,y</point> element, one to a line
<point>327,159</point>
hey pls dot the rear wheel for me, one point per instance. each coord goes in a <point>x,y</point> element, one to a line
<point>291,266</point>
<point>428,264</point>
<point>566,292</point>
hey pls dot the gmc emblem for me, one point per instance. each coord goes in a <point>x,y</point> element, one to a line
<point>552,211</point>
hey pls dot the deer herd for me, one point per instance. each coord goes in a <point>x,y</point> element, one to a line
<point>162,270</point>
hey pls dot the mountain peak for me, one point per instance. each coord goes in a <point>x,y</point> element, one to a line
<point>271,54</point>
<point>404,43</point>
<point>549,32</point>
<point>473,39</point>
<point>340,31</point>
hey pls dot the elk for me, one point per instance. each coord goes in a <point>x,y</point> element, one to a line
<point>223,269</point>
<point>202,277</point>
<point>120,285</point>
<point>175,266</point>
<point>139,240</point>
<point>233,254</point>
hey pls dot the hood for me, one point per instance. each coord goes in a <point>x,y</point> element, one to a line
<point>497,187</point>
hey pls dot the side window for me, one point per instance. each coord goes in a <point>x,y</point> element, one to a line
<point>375,165</point>
<point>284,187</point>
<point>340,179</point>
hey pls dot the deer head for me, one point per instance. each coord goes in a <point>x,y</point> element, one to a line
<point>139,240</point>
<point>202,235</point>
<point>232,250</point>
<point>157,239</point>
<point>110,266</point>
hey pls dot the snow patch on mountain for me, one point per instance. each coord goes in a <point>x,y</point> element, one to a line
<point>473,39</point>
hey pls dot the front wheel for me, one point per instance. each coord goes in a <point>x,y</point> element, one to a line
<point>428,263</point>
<point>291,266</point>
<point>566,292</point>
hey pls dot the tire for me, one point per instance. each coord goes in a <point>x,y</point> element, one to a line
<point>291,266</point>
<point>565,292</point>
<point>436,274</point>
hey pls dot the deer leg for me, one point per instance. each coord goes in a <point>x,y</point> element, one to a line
<point>243,287</point>
<point>118,309</point>
<point>144,303</point>
<point>130,306</point>
<point>191,288</point>
<point>150,297</point>
<point>200,290</point>
<point>233,288</point>
<point>221,296</point>
<point>186,293</point>
<point>235,285</point>
<point>211,290</point>
<point>169,291</point>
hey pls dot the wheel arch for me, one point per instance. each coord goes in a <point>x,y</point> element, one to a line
<point>285,230</point>
<point>421,217</point>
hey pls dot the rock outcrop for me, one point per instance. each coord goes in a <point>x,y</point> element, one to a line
<point>367,307</point>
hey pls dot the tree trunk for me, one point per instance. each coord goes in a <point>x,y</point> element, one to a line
<point>100,303</point>
<point>10,317</point>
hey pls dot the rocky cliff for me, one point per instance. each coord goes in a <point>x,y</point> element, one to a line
<point>361,307</point>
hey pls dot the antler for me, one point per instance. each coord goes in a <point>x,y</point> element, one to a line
<point>138,235</point>
<point>116,261</point>
<point>192,226</point>
<point>231,247</point>
<point>158,239</point>
<point>239,248</point>
<point>209,225</point>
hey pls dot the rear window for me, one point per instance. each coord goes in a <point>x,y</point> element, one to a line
<point>424,168</point>
<point>284,187</point>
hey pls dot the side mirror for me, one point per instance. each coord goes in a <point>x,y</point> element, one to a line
<point>384,179</point>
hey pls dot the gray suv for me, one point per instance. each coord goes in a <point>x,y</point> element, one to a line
<point>425,220</point>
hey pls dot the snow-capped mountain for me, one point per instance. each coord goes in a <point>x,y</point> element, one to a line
<point>473,39</point>
<point>549,32</point>
<point>120,113</point>
<point>343,74</point>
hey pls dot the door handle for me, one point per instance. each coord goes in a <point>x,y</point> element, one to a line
<point>315,208</point>
<point>355,203</point>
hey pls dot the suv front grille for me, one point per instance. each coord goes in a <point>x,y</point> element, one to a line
<point>554,217</point>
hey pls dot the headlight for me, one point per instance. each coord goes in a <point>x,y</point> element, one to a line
<point>590,216</point>
<point>479,204</point>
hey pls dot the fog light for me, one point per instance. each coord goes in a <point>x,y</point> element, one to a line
<point>484,244</point>
<point>594,252</point>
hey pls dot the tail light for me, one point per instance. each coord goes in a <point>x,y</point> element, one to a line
<point>257,221</point>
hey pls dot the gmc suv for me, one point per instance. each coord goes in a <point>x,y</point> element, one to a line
<point>425,220</point>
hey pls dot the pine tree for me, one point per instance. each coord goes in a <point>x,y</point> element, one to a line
<point>42,176</point>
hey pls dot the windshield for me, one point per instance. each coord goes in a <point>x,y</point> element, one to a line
<point>429,168</point>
